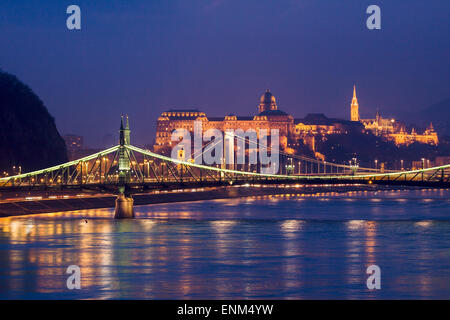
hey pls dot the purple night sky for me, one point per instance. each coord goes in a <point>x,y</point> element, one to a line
<point>143,57</point>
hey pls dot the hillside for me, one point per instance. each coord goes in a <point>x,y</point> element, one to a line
<point>28,134</point>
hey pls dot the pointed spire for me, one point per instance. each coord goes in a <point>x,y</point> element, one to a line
<point>431,128</point>
<point>354,99</point>
<point>121,122</point>
<point>354,113</point>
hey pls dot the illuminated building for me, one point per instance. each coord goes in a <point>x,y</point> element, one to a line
<point>354,111</point>
<point>429,136</point>
<point>308,130</point>
<point>391,129</point>
<point>268,117</point>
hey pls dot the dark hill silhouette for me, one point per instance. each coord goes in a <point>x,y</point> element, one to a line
<point>28,134</point>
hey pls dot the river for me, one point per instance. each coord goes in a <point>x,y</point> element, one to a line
<point>269,247</point>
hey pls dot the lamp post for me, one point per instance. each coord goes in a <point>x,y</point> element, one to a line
<point>423,166</point>
<point>163,164</point>
<point>106,166</point>
<point>145,163</point>
<point>99,163</point>
<point>376,164</point>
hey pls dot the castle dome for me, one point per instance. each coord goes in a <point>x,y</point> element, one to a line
<point>268,97</point>
<point>268,102</point>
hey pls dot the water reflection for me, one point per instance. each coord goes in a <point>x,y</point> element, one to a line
<point>354,255</point>
<point>272,247</point>
<point>292,253</point>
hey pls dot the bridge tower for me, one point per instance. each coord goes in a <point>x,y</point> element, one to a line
<point>124,202</point>
<point>124,159</point>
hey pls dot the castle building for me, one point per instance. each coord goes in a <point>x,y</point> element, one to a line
<point>429,136</point>
<point>308,130</point>
<point>391,129</point>
<point>268,117</point>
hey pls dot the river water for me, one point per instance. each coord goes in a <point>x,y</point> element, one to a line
<point>271,247</point>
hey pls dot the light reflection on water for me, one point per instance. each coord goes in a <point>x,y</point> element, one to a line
<point>264,247</point>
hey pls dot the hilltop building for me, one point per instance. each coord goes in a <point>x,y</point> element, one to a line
<point>354,108</point>
<point>391,129</point>
<point>292,131</point>
<point>268,117</point>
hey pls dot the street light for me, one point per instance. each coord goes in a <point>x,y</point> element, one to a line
<point>148,167</point>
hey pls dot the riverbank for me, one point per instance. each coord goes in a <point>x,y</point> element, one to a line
<point>37,205</point>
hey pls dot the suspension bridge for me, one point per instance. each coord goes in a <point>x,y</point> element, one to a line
<point>125,169</point>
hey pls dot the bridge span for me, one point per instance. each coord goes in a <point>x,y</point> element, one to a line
<point>126,170</point>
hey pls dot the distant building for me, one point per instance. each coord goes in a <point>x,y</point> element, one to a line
<point>354,110</point>
<point>429,136</point>
<point>317,126</point>
<point>421,164</point>
<point>443,160</point>
<point>392,130</point>
<point>308,130</point>
<point>74,145</point>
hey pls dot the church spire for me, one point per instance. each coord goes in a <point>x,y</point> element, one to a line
<point>354,114</point>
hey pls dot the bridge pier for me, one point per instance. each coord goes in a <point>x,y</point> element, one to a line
<point>124,207</point>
